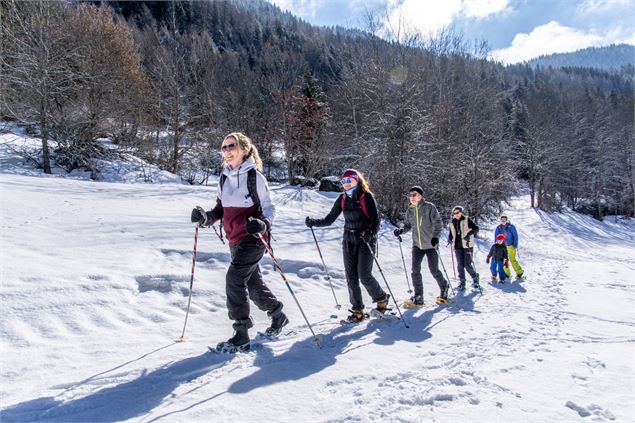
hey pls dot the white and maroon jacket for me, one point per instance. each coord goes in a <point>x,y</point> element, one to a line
<point>234,205</point>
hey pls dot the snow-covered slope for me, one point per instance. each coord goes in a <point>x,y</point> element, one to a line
<point>95,279</point>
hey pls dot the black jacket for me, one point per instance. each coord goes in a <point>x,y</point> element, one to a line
<point>356,223</point>
<point>498,252</point>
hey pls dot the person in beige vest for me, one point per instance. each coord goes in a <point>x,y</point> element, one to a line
<point>461,237</point>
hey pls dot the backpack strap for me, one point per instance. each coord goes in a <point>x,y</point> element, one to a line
<point>362,201</point>
<point>252,188</point>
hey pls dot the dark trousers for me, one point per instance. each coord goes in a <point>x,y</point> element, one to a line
<point>433,266</point>
<point>464,262</point>
<point>244,281</point>
<point>358,264</point>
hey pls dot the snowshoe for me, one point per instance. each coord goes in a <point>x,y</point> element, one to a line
<point>356,316</point>
<point>414,302</point>
<point>443,300</point>
<point>227,347</point>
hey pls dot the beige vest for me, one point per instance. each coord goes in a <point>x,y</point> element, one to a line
<point>464,229</point>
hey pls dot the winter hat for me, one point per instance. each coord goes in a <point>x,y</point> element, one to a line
<point>416,188</point>
<point>457,208</point>
<point>350,173</point>
<point>504,215</point>
<point>500,237</point>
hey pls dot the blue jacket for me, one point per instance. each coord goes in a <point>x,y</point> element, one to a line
<point>511,236</point>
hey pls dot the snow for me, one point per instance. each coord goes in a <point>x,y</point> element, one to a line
<point>95,279</point>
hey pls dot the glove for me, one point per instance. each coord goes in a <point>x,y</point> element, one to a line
<point>506,263</point>
<point>466,238</point>
<point>199,216</point>
<point>397,232</point>
<point>434,241</point>
<point>487,259</point>
<point>256,227</point>
<point>309,222</point>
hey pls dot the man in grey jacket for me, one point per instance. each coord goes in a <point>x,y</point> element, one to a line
<point>424,220</point>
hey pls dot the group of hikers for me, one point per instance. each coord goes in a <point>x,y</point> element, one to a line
<point>245,208</point>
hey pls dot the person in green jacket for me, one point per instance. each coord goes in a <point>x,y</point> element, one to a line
<point>424,220</point>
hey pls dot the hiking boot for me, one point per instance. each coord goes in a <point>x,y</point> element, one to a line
<point>494,278</point>
<point>445,290</point>
<point>476,285</point>
<point>461,286</point>
<point>476,279</point>
<point>417,300</point>
<point>520,276</point>
<point>277,323</point>
<point>356,316</point>
<point>382,305</point>
<point>238,342</point>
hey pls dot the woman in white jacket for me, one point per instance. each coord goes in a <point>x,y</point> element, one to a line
<point>245,207</point>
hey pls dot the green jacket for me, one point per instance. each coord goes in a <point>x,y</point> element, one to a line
<point>425,222</point>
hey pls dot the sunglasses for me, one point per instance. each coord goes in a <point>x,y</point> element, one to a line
<point>456,212</point>
<point>346,181</point>
<point>228,147</point>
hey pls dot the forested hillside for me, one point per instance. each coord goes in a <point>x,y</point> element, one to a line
<point>608,57</point>
<point>167,80</point>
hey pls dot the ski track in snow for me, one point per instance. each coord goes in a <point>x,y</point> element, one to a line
<point>95,282</point>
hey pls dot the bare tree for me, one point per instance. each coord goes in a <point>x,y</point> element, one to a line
<point>37,76</point>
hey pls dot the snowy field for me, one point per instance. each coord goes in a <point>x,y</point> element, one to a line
<point>95,279</point>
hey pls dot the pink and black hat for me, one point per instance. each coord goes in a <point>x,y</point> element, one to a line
<point>350,173</point>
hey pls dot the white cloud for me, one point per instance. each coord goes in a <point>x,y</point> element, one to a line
<point>545,39</point>
<point>483,8</point>
<point>556,38</point>
<point>432,15</point>
<point>301,8</point>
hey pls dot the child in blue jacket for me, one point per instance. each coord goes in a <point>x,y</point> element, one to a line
<point>498,256</point>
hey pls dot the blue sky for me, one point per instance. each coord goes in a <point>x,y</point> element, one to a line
<point>516,30</point>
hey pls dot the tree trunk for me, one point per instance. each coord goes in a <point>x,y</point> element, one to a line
<point>46,160</point>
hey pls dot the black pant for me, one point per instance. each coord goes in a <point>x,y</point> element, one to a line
<point>358,264</point>
<point>433,266</point>
<point>464,262</point>
<point>244,281</point>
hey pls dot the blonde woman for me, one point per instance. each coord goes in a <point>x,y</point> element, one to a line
<point>360,227</point>
<point>244,205</point>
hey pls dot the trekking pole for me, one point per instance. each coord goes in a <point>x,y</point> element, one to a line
<point>284,278</point>
<point>404,265</point>
<point>328,276</point>
<point>386,282</point>
<point>453,265</point>
<point>189,300</point>
<point>446,273</point>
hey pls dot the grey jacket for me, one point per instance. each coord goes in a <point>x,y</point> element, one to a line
<point>425,222</point>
